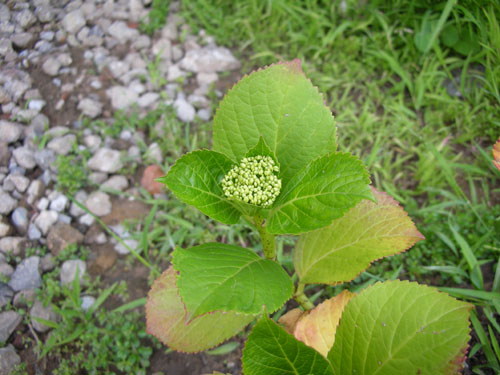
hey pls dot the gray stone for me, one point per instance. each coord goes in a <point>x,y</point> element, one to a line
<point>43,204</point>
<point>16,182</point>
<point>45,220</point>
<point>62,145</point>
<point>209,60</point>
<point>116,183</point>
<point>65,59</point>
<point>25,18</point>
<point>86,220</point>
<point>205,114</point>
<point>206,79</point>
<point>42,312</point>
<point>6,294</point>
<point>89,107</point>
<point>36,105</point>
<point>15,82</point>
<point>92,141</point>
<point>185,111</point>
<point>7,203</point>
<point>4,154</point>
<point>175,73</point>
<point>4,229</point>
<point>51,66</point>
<point>23,298</point>
<point>9,320</point>
<point>47,263</point>
<point>35,190</point>
<point>27,275</point>
<point>80,196</point>
<point>47,35</point>
<point>45,158</point>
<point>154,153</point>
<point>24,157</point>
<point>6,270</point>
<point>10,132</point>
<point>122,97</point>
<point>105,160</point>
<point>119,30</point>
<point>98,178</point>
<point>61,235</point>
<point>68,271</point>
<point>8,360</point>
<point>73,21</point>
<point>99,203</point>
<point>148,99</point>
<point>34,233</point>
<point>163,49</point>
<point>44,14</point>
<point>58,202</point>
<point>20,219</point>
<point>4,13</point>
<point>22,40</point>
<point>87,302</point>
<point>12,245</point>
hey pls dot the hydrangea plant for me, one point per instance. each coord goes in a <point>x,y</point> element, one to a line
<point>275,165</point>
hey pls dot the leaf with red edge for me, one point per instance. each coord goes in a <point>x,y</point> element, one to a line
<point>317,327</point>
<point>342,250</point>
<point>496,154</point>
<point>166,319</point>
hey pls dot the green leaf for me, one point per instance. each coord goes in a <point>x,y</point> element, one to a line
<point>369,231</point>
<point>261,148</point>
<point>217,276</point>
<point>165,319</point>
<point>195,179</point>
<point>271,351</point>
<point>398,327</point>
<point>282,106</point>
<point>324,190</point>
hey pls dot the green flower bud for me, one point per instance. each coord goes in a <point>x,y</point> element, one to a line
<point>253,181</point>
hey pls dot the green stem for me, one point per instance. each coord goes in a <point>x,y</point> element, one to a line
<point>268,240</point>
<point>301,297</point>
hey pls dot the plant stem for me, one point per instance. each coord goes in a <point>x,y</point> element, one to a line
<point>268,240</point>
<point>301,297</point>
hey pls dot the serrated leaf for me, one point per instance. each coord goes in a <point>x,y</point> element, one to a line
<point>324,190</point>
<point>496,154</point>
<point>220,277</point>
<point>165,319</point>
<point>317,327</point>
<point>269,350</point>
<point>282,106</point>
<point>261,148</point>
<point>196,178</point>
<point>398,327</point>
<point>369,231</point>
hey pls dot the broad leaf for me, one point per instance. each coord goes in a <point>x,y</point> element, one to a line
<point>271,351</point>
<point>317,327</point>
<point>281,105</point>
<point>261,148</point>
<point>398,327</point>
<point>217,276</point>
<point>324,190</point>
<point>369,231</point>
<point>165,319</point>
<point>496,154</point>
<point>196,179</point>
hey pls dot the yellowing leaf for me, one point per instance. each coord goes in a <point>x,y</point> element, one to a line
<point>290,319</point>
<point>342,250</point>
<point>496,154</point>
<point>166,319</point>
<point>317,328</point>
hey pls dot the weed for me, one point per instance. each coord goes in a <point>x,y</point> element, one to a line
<point>156,17</point>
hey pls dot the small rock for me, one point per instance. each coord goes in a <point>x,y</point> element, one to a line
<point>23,298</point>
<point>4,229</point>
<point>62,145</point>
<point>22,40</point>
<point>10,132</point>
<point>34,233</point>
<point>122,97</point>
<point>86,220</point>
<point>205,114</point>
<point>25,19</point>
<point>45,158</point>
<point>51,66</point>
<point>206,79</point>
<point>45,220</point>
<point>59,202</point>
<point>69,268</point>
<point>20,219</point>
<point>43,204</point>
<point>65,59</point>
<point>4,154</point>
<point>209,60</point>
<point>6,270</point>
<point>26,276</point>
<point>116,183</point>
<point>185,111</point>
<point>148,179</point>
<point>16,182</point>
<point>87,302</point>
<point>12,245</point>
<point>61,235</point>
<point>8,360</point>
<point>46,313</point>
<point>106,160</point>
<point>122,32</point>
<point>104,261</point>
<point>80,196</point>
<point>73,21</point>
<point>122,249</point>
<point>148,99</point>
<point>47,263</point>
<point>99,203</point>
<point>9,320</point>
<point>92,142</point>
<point>7,203</point>
<point>90,107</point>
<point>24,157</point>
<point>36,104</point>
<point>6,294</point>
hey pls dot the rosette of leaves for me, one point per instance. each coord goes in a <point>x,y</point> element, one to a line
<point>275,164</point>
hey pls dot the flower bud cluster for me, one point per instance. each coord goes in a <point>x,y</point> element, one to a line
<point>253,181</point>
